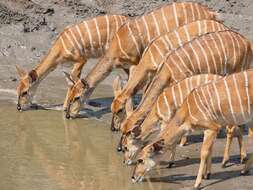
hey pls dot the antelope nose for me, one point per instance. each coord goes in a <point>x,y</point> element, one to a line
<point>119,149</point>
<point>133,177</point>
<point>18,107</point>
<point>67,115</point>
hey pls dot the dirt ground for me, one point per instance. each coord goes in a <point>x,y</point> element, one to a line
<point>28,28</point>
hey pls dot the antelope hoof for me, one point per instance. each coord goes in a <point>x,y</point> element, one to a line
<point>245,173</point>
<point>207,176</point>
<point>171,164</point>
<point>224,164</point>
<point>196,188</point>
<point>244,160</point>
<point>67,116</point>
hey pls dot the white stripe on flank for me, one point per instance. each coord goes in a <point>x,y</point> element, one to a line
<point>212,55</point>
<point>81,36</point>
<point>146,26</point>
<point>175,14</point>
<point>69,39</point>
<point>107,30</point>
<point>76,41</point>
<point>218,26</point>
<point>224,51</point>
<point>213,116</point>
<point>180,93</point>
<point>239,97</point>
<point>158,109</point>
<point>120,47</point>
<point>199,28</point>
<point>171,71</point>
<point>229,100</point>
<point>196,56</point>
<point>116,23</point>
<point>238,46</point>
<point>183,63</point>
<point>189,108</point>
<point>187,86</point>
<point>177,66</point>
<point>234,52</point>
<point>247,91</point>
<point>64,46</point>
<point>165,44</point>
<point>156,24</point>
<point>187,33</point>
<point>213,26</point>
<point>218,51</point>
<point>193,12</point>
<point>99,34</point>
<point>152,58</point>
<point>158,49</point>
<point>169,42</point>
<point>205,27</point>
<point>178,38</point>
<point>218,100</point>
<point>205,12</point>
<point>207,111</point>
<point>188,56</point>
<point>185,14</point>
<point>197,104</point>
<point>165,20</point>
<point>205,55</point>
<point>134,39</point>
<point>139,32</point>
<point>167,104</point>
<point>197,7</point>
<point>90,36</point>
<point>174,96</point>
<point>211,100</point>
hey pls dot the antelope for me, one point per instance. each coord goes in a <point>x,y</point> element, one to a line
<point>129,43</point>
<point>163,111</point>
<point>227,101</point>
<point>154,54</point>
<point>76,44</point>
<point>221,53</point>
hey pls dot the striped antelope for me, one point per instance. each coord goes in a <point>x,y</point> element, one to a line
<point>154,54</point>
<point>221,53</point>
<point>76,44</point>
<point>169,101</point>
<point>227,101</point>
<point>129,43</point>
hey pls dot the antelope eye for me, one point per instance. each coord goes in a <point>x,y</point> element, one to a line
<point>24,93</point>
<point>139,161</point>
<point>77,98</point>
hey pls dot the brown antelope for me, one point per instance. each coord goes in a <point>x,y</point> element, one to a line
<point>129,43</point>
<point>227,101</point>
<point>222,53</point>
<point>76,44</point>
<point>156,51</point>
<point>163,111</point>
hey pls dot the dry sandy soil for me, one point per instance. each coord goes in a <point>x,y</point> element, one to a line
<point>28,28</point>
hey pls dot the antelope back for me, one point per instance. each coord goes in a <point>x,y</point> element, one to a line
<point>222,52</point>
<point>227,101</point>
<point>91,38</point>
<point>139,32</point>
<point>158,48</point>
<point>172,97</point>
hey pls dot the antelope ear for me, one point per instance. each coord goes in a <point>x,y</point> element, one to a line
<point>117,88</point>
<point>21,72</point>
<point>69,79</point>
<point>129,107</point>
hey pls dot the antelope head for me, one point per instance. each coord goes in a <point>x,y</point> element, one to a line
<point>76,95</point>
<point>118,117</point>
<point>25,88</point>
<point>147,160</point>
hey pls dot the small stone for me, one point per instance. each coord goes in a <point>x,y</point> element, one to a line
<point>13,79</point>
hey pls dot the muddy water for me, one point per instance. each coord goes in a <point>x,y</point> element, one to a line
<point>41,150</point>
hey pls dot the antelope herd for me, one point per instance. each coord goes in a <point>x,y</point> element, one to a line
<point>192,70</point>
